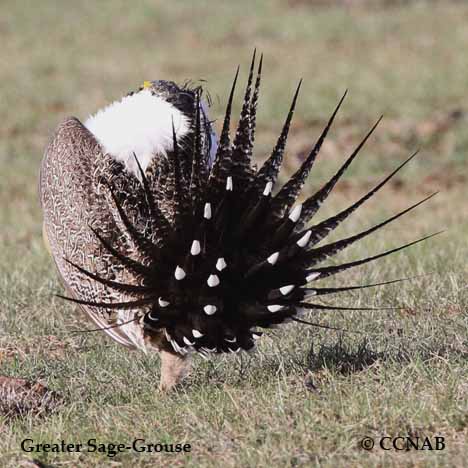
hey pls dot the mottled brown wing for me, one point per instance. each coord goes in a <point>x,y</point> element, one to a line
<point>73,200</point>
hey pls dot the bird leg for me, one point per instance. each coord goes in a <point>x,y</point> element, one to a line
<point>174,368</point>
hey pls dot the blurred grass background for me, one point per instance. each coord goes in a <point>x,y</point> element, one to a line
<point>404,373</point>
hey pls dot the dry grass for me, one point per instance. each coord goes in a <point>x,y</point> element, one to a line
<point>306,396</point>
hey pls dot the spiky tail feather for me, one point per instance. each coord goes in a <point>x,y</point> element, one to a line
<point>237,257</point>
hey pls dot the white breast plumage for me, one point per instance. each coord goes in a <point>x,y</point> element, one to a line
<point>140,123</point>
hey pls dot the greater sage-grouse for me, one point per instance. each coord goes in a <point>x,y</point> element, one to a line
<point>171,240</point>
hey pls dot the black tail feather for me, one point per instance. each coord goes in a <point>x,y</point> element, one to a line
<point>325,291</point>
<point>313,203</point>
<point>289,192</point>
<point>318,325</point>
<point>196,175</point>
<point>142,242</point>
<point>324,272</point>
<point>112,305</point>
<point>223,153</point>
<point>311,306</point>
<point>137,267</point>
<point>322,229</point>
<point>130,289</point>
<point>242,146</point>
<point>317,255</point>
<point>269,171</point>
<point>254,104</point>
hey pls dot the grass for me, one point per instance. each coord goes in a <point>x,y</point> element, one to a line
<point>307,396</point>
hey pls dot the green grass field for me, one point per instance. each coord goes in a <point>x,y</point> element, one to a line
<point>307,396</point>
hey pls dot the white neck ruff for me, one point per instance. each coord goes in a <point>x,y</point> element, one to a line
<point>140,124</point>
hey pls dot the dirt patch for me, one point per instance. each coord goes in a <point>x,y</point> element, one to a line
<point>19,397</point>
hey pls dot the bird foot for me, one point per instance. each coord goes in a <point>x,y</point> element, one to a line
<point>174,368</point>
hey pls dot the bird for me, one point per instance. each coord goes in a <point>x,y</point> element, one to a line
<point>172,240</point>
